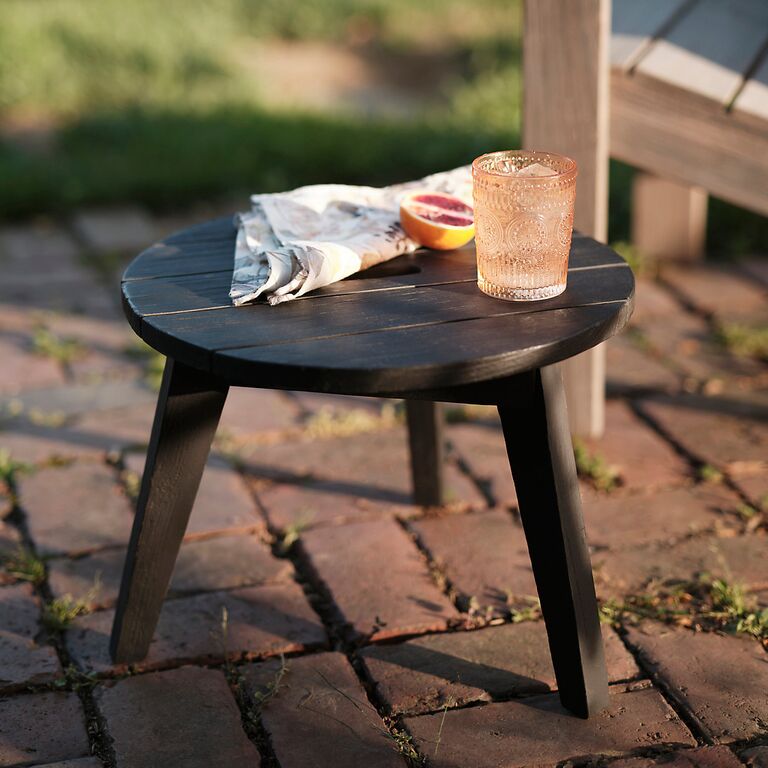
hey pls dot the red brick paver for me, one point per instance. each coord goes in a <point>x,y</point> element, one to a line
<point>317,712</point>
<point>717,290</point>
<point>351,559</point>
<point>37,443</point>
<point>297,506</point>
<point>253,412</point>
<point>258,621</point>
<point>620,521</point>
<point>75,508</point>
<point>22,368</point>
<point>425,674</point>
<point>22,660</point>
<point>538,731</point>
<point>739,560</point>
<point>484,556</point>
<point>481,447</point>
<point>206,565</point>
<point>732,440</point>
<point>630,369</point>
<point>756,757</point>
<point>41,728</point>
<point>719,681</point>
<point>374,466</point>
<point>117,429</point>
<point>653,301</point>
<point>184,717</point>
<point>643,459</point>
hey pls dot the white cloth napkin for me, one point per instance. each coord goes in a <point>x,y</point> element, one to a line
<point>293,242</point>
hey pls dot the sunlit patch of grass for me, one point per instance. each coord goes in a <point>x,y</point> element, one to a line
<point>744,340</point>
<point>707,603</point>
<point>59,613</point>
<point>593,467</point>
<point>331,422</point>
<point>292,533</point>
<point>461,414</point>
<point>10,469</point>
<point>23,564</point>
<point>638,261</point>
<point>709,474</point>
<point>62,349</point>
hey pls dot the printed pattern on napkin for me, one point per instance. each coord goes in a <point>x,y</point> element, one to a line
<point>293,242</point>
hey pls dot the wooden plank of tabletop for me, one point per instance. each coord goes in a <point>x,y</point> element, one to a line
<point>635,24</point>
<point>167,259</point>
<point>192,336</point>
<point>210,290</point>
<point>427,356</point>
<point>207,291</point>
<point>709,48</point>
<point>753,98</point>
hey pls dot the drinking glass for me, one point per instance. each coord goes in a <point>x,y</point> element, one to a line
<point>523,223</point>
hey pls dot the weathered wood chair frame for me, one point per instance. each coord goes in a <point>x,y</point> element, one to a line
<point>676,88</point>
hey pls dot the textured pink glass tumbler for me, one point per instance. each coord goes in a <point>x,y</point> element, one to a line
<point>523,223</point>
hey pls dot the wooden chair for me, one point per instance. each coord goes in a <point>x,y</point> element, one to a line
<point>676,88</point>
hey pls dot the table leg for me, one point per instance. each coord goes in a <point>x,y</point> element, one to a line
<point>541,458</point>
<point>188,410</point>
<point>425,439</point>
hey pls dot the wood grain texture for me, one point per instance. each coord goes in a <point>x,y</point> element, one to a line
<point>188,408</point>
<point>669,219</point>
<point>635,24</point>
<point>426,357</point>
<point>565,95</point>
<point>565,109</point>
<point>196,337</point>
<point>210,290</point>
<point>710,47</point>
<point>686,137</point>
<point>544,472</point>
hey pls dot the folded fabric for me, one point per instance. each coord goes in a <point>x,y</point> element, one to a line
<point>293,242</point>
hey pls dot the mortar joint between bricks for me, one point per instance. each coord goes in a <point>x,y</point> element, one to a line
<point>98,741</point>
<point>695,462</point>
<point>314,588</point>
<point>483,485</point>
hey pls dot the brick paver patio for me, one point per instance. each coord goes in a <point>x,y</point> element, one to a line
<point>316,617</point>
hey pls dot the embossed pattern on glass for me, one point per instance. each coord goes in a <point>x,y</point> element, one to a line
<point>523,223</point>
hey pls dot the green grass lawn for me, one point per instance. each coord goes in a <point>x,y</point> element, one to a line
<point>155,103</point>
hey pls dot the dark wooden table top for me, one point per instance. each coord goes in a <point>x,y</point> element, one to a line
<point>418,322</point>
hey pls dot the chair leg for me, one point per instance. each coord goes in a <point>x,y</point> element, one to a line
<point>425,438</point>
<point>541,458</point>
<point>188,409</point>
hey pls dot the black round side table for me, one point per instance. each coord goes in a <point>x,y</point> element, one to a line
<point>415,328</point>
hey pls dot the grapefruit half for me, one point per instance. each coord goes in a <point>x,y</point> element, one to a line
<point>437,220</point>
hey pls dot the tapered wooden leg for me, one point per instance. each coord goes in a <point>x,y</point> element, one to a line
<point>541,457</point>
<point>425,438</point>
<point>188,410</point>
